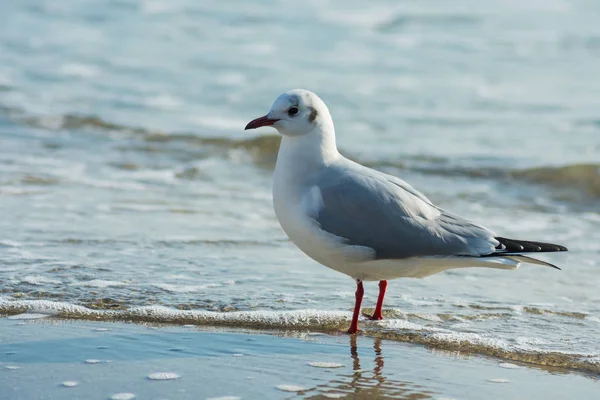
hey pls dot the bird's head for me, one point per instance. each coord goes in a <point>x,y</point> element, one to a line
<point>295,113</point>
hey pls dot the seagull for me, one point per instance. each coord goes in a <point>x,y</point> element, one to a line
<point>364,223</point>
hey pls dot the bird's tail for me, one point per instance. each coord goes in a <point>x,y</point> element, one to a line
<point>511,249</point>
<point>529,260</point>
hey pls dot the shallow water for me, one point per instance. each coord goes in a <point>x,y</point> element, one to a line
<point>128,186</point>
<point>53,359</point>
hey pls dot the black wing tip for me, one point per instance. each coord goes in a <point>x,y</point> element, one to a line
<point>527,246</point>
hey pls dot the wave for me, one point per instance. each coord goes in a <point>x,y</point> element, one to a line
<point>396,327</point>
<point>262,149</point>
<point>573,182</point>
<point>585,177</point>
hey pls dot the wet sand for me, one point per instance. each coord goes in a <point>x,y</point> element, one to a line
<point>60,359</point>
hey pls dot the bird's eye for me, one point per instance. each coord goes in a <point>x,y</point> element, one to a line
<point>293,111</point>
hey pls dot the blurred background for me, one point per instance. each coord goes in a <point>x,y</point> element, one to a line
<point>126,178</point>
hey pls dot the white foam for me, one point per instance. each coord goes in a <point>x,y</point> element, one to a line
<point>69,383</point>
<point>406,325</point>
<point>123,396</point>
<point>528,341</point>
<point>12,367</point>
<point>595,359</point>
<point>163,376</point>
<point>498,380</point>
<point>429,317</point>
<point>182,288</point>
<point>473,338</point>
<point>297,318</point>
<point>39,280</point>
<point>92,361</point>
<point>508,365</point>
<point>291,388</point>
<point>27,316</point>
<point>325,364</point>
<point>101,283</point>
<point>44,308</point>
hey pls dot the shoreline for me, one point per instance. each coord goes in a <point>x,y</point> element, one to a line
<point>330,323</point>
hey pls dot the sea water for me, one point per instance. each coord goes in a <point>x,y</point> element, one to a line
<point>130,191</point>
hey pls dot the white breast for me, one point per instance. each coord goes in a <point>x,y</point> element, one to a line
<point>290,209</point>
<point>295,209</point>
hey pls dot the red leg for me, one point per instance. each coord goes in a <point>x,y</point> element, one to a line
<point>360,291</point>
<point>377,314</point>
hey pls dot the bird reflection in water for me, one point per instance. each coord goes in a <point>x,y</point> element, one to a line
<point>369,384</point>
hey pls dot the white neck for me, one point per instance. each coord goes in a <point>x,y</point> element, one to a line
<point>300,156</point>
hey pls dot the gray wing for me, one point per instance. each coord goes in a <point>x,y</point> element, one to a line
<point>376,210</point>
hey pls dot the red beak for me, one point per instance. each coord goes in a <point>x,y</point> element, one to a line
<point>258,122</point>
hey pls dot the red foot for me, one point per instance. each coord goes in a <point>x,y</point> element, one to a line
<point>359,296</point>
<point>352,331</point>
<point>377,315</point>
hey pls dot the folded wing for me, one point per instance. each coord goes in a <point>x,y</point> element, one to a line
<point>379,211</point>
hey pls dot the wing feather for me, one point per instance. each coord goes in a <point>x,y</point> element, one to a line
<point>376,210</point>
